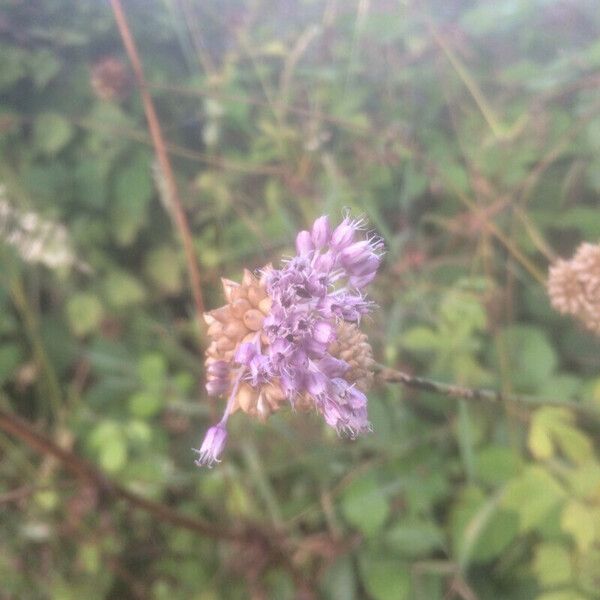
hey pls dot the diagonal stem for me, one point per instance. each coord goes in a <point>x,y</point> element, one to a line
<point>160,149</point>
<point>84,470</point>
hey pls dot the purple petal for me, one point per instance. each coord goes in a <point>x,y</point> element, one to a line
<point>360,282</point>
<point>333,367</point>
<point>304,244</point>
<point>321,232</point>
<point>245,353</point>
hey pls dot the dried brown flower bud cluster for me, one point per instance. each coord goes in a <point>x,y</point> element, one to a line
<point>236,322</point>
<point>242,318</point>
<point>352,345</point>
<point>574,286</point>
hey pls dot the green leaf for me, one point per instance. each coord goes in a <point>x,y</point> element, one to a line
<point>133,192</point>
<point>532,496</point>
<point>415,538</point>
<point>419,339</point>
<point>84,311</point>
<point>144,404</point>
<point>530,355</point>
<point>123,289</point>
<point>114,455</point>
<point>109,442</point>
<point>569,594</point>
<point>152,370</point>
<point>552,564</point>
<point>555,426</point>
<point>497,464</point>
<point>365,506</point>
<point>481,530</point>
<point>162,266</point>
<point>52,133</point>
<point>385,578</point>
<point>580,522</point>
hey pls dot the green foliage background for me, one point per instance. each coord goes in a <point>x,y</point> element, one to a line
<point>467,132</point>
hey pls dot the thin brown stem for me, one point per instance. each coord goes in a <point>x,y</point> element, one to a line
<point>162,156</point>
<point>478,395</point>
<point>86,471</point>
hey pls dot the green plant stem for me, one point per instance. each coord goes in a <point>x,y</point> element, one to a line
<point>479,395</point>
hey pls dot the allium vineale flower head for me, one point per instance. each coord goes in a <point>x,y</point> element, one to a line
<point>291,335</point>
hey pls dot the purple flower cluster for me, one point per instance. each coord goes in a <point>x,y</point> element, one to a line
<point>315,289</point>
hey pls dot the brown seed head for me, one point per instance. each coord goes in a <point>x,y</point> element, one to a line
<point>574,286</point>
<point>352,345</point>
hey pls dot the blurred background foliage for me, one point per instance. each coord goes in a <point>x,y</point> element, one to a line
<point>467,132</point>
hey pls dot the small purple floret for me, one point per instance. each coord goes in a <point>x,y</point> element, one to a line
<point>212,446</point>
<point>316,288</point>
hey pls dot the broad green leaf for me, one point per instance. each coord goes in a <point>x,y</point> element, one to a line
<point>365,506</point>
<point>532,496</point>
<point>581,523</point>
<point>567,594</point>
<point>419,339</point>
<point>152,369</point>
<point>555,426</point>
<point>123,289</point>
<point>162,267</point>
<point>385,578</point>
<point>144,404</point>
<point>496,464</point>
<point>133,191</point>
<point>481,529</point>
<point>552,564</point>
<point>530,355</point>
<point>414,538</point>
<point>85,313</point>
<point>52,133</point>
